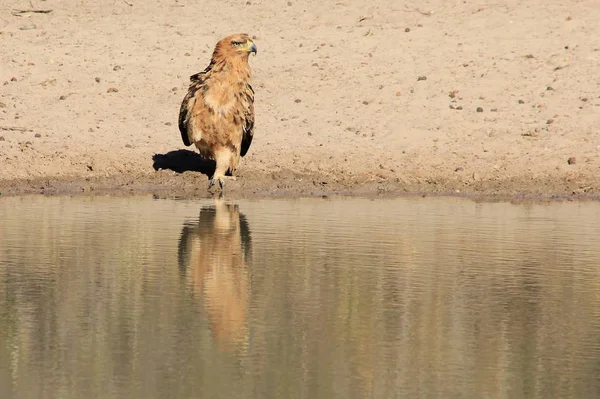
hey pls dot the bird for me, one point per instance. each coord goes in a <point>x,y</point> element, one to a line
<point>217,113</point>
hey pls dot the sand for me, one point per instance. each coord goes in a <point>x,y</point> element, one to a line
<point>352,96</point>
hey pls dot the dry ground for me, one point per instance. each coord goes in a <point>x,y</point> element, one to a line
<point>352,96</point>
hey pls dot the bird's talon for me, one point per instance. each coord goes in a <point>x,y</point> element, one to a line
<point>215,180</point>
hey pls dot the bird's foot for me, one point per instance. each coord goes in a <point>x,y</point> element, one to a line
<point>220,180</point>
<point>216,181</point>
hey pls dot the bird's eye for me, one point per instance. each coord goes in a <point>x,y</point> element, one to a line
<point>237,44</point>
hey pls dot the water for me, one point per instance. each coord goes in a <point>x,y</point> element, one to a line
<point>310,298</point>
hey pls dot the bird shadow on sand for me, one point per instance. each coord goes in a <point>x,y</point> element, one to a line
<point>180,161</point>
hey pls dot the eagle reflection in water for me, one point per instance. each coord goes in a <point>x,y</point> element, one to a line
<point>214,254</point>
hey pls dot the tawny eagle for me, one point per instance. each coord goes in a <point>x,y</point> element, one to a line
<point>217,113</point>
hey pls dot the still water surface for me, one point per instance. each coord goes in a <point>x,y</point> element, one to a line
<point>308,298</point>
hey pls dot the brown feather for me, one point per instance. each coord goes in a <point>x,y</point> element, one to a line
<point>217,113</point>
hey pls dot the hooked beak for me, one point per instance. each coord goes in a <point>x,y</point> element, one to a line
<point>252,47</point>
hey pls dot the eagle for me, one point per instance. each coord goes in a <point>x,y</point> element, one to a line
<point>217,113</point>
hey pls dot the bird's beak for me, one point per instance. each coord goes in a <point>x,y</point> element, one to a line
<point>252,47</point>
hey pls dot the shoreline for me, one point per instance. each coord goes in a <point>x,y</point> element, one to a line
<point>286,183</point>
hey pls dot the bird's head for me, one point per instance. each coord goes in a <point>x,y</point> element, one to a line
<point>234,46</point>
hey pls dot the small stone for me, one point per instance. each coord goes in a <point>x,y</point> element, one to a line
<point>584,99</point>
<point>174,89</point>
<point>421,78</point>
<point>494,110</point>
<point>550,121</point>
<point>187,54</point>
<point>365,102</point>
<point>521,102</point>
<point>289,3</point>
<point>2,105</point>
<point>116,67</point>
<point>549,88</point>
<point>128,146</point>
<point>90,168</point>
<point>453,93</point>
<point>381,87</point>
<point>13,79</point>
<point>112,90</point>
<point>459,107</point>
<point>398,94</point>
<point>62,97</point>
<point>297,101</point>
<point>91,130</point>
<point>168,123</point>
<point>37,135</point>
<point>2,138</point>
<point>97,80</point>
<point>309,133</point>
<point>479,109</point>
<point>572,161</point>
<point>569,18</point>
<point>459,169</point>
<point>407,30</point>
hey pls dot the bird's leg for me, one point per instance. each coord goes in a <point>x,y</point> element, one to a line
<point>222,161</point>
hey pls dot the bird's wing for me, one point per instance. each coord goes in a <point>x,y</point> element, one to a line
<point>248,122</point>
<point>187,106</point>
